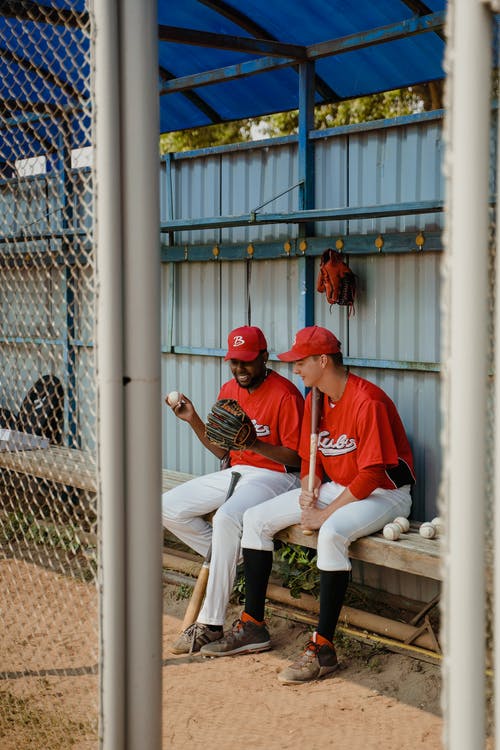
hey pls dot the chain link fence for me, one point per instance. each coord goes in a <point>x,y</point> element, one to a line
<point>48,534</point>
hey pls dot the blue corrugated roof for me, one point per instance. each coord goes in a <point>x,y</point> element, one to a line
<point>361,70</point>
<point>218,60</point>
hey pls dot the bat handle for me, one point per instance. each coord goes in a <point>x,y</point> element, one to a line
<point>312,472</point>
<point>235,478</point>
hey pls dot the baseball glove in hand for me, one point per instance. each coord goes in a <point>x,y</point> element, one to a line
<point>229,426</point>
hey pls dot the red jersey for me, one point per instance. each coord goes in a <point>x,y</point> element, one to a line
<point>362,443</point>
<point>275,408</point>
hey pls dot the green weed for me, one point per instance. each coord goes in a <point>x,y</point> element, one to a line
<point>297,567</point>
<point>184,591</point>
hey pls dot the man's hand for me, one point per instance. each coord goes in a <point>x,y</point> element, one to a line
<point>313,518</point>
<point>184,409</point>
<point>307,498</point>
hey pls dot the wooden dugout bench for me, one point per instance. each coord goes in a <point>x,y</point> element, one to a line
<point>70,467</point>
<point>410,554</point>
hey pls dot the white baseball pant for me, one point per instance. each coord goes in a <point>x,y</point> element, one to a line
<point>346,524</point>
<point>183,508</point>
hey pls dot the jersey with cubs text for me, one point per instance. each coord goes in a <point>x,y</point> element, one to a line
<point>362,443</point>
<point>275,408</point>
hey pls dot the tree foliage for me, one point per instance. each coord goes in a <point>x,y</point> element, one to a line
<point>386,105</point>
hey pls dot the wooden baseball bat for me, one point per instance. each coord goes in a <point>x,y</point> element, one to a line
<point>313,445</point>
<point>194,606</point>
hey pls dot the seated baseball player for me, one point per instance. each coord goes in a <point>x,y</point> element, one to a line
<point>268,465</point>
<point>363,475</point>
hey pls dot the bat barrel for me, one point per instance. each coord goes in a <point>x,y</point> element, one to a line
<point>194,606</point>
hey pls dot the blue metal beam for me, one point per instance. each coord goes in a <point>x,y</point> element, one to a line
<point>192,97</point>
<point>376,364</point>
<point>409,208</point>
<point>228,73</point>
<point>181,35</point>
<point>359,245</point>
<point>70,286</point>
<point>257,31</point>
<point>22,235</point>
<point>381,35</point>
<point>306,146</point>
<point>338,130</point>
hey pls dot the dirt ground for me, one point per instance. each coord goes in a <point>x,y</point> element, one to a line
<point>377,699</point>
<point>49,684</point>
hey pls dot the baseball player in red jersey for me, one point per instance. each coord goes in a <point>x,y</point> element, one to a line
<point>270,468</point>
<point>364,471</point>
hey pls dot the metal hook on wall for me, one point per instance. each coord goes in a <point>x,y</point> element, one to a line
<point>420,240</point>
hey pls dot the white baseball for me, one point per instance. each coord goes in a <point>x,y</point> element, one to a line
<point>403,522</point>
<point>173,398</point>
<point>438,524</point>
<point>427,530</point>
<point>392,531</point>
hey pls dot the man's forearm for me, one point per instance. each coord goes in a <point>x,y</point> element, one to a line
<point>198,427</point>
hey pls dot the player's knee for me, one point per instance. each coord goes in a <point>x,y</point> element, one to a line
<point>328,534</point>
<point>174,512</point>
<point>251,520</point>
<point>169,520</point>
<point>332,542</point>
<point>227,521</point>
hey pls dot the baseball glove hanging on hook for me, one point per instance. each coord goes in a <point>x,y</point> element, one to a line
<point>229,426</point>
<point>336,280</point>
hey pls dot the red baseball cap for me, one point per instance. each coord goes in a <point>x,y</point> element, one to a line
<point>245,343</point>
<point>309,341</point>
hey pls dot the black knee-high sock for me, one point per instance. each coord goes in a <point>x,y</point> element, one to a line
<point>333,587</point>
<point>257,566</point>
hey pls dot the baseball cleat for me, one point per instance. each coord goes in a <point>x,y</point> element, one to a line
<point>244,638</point>
<point>317,661</point>
<point>193,638</point>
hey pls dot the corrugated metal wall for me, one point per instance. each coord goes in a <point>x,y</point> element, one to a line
<point>396,323</point>
<point>209,299</point>
<point>394,336</point>
<point>45,284</point>
<point>354,166</point>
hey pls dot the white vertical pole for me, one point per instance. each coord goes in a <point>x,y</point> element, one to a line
<point>141,221</point>
<point>109,354</point>
<point>469,61</point>
<point>128,338</point>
